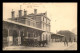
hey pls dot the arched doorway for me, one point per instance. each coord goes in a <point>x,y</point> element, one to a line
<point>46,36</point>
<point>15,37</point>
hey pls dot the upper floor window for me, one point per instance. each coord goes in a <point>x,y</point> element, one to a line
<point>43,18</point>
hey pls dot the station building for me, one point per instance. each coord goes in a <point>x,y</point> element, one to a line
<point>27,26</point>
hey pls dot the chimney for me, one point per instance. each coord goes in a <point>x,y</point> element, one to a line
<point>35,11</point>
<point>13,13</point>
<point>46,13</point>
<point>20,12</point>
<point>25,12</point>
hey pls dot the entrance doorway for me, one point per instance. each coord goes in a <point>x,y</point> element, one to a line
<point>5,35</point>
<point>15,37</point>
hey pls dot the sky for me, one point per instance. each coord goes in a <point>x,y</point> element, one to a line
<point>63,16</point>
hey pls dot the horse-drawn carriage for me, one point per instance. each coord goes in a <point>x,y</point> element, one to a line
<point>34,42</point>
<point>37,41</point>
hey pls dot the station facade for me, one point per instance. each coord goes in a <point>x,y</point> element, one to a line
<point>34,26</point>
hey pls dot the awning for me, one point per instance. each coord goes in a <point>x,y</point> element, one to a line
<point>9,21</point>
<point>57,35</point>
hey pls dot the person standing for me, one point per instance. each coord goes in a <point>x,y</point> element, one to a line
<point>65,41</point>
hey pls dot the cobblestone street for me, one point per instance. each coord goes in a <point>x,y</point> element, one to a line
<point>51,46</point>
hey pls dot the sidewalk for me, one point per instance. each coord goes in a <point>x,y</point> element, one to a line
<point>51,46</point>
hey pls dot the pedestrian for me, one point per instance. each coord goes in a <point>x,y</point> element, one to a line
<point>67,42</point>
<point>64,42</point>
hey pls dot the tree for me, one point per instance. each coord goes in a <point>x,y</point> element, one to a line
<point>67,34</point>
